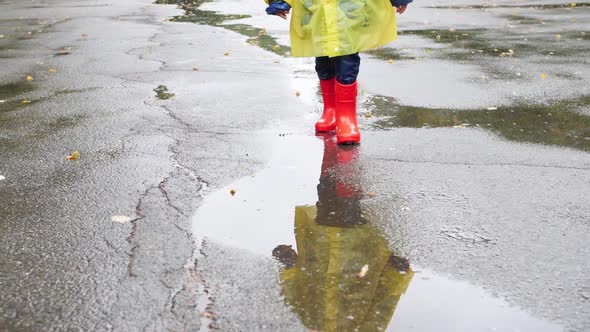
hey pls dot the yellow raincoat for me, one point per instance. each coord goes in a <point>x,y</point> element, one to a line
<point>323,287</point>
<point>340,27</point>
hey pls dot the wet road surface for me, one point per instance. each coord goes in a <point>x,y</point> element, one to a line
<point>467,201</point>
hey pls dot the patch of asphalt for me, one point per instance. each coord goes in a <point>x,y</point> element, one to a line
<point>66,264</point>
<point>245,290</point>
<point>509,217</point>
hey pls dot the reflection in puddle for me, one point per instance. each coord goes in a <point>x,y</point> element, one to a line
<point>324,258</point>
<point>343,277</point>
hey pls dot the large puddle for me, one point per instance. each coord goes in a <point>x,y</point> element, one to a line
<point>339,273</point>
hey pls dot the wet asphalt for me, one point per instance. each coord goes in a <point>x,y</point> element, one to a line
<point>474,168</point>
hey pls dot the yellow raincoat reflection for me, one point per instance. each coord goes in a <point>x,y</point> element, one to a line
<point>322,281</point>
<point>340,27</point>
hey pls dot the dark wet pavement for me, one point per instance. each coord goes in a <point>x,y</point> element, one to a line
<point>465,205</point>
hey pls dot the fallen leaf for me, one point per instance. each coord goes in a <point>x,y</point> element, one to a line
<point>29,78</point>
<point>51,70</point>
<point>195,68</point>
<point>572,4</point>
<point>121,219</point>
<point>2,177</point>
<point>390,61</point>
<point>427,50</point>
<point>368,115</point>
<point>363,272</point>
<point>297,93</point>
<point>276,48</point>
<point>74,156</point>
<point>25,101</point>
<point>543,76</point>
<point>226,53</point>
<point>208,315</point>
<point>371,194</point>
<point>509,53</point>
<point>232,192</point>
<point>84,35</point>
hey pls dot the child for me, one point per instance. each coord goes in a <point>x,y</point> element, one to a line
<point>334,32</point>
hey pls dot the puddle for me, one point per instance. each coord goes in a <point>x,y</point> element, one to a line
<point>256,36</point>
<point>10,90</point>
<point>559,123</point>
<point>9,93</point>
<point>435,303</point>
<point>568,6</point>
<point>339,273</point>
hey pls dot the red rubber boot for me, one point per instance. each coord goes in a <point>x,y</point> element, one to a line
<point>347,129</point>
<point>328,120</point>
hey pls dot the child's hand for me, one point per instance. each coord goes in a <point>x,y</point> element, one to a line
<point>279,8</point>
<point>401,9</point>
<point>283,15</point>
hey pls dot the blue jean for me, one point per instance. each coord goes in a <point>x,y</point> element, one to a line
<point>345,68</point>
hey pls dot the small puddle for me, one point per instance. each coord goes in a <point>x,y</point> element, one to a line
<point>256,36</point>
<point>339,272</point>
<point>559,123</point>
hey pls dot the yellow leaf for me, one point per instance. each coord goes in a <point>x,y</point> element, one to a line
<point>226,53</point>
<point>276,48</point>
<point>51,70</point>
<point>232,192</point>
<point>297,93</point>
<point>390,61</point>
<point>363,271</point>
<point>29,78</point>
<point>543,76</point>
<point>572,4</point>
<point>25,101</point>
<point>74,156</point>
